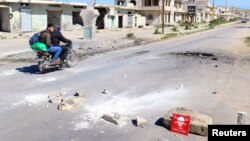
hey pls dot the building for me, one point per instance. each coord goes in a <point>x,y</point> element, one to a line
<point>152,10</point>
<point>34,15</point>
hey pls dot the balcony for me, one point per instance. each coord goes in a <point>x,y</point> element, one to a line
<point>148,8</point>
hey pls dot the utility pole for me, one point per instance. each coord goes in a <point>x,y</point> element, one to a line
<point>227,12</point>
<point>163,15</point>
<point>213,10</point>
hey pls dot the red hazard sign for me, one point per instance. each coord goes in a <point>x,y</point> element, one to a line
<point>180,124</point>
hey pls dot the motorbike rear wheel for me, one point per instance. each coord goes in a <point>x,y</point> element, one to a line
<point>41,68</point>
<point>71,58</point>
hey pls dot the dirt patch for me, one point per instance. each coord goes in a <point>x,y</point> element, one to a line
<point>208,57</point>
<point>196,54</point>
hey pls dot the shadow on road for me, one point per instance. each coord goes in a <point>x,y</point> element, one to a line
<point>159,122</point>
<point>242,27</point>
<point>33,69</point>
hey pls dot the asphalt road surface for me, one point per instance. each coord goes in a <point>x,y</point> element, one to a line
<point>212,78</point>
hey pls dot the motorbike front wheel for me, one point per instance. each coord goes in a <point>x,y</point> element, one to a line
<point>71,58</point>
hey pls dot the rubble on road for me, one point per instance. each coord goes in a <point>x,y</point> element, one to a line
<point>105,91</point>
<point>141,122</point>
<point>114,118</point>
<point>55,99</point>
<point>80,94</point>
<point>66,106</point>
<point>124,76</point>
<point>66,102</point>
<point>199,122</point>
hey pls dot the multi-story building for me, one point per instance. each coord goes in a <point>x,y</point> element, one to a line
<point>152,10</point>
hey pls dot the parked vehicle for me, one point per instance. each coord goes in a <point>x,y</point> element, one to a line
<point>245,20</point>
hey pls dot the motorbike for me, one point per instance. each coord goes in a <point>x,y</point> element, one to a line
<point>67,58</point>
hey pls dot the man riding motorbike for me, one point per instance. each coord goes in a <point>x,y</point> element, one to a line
<point>45,37</point>
<point>57,37</point>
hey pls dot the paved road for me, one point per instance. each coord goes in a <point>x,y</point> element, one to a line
<point>146,81</point>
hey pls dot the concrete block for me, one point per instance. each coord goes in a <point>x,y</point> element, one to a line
<point>112,119</point>
<point>199,122</point>
<point>141,122</point>
<point>66,107</point>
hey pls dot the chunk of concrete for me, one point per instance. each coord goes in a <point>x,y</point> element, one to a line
<point>242,118</point>
<point>66,107</point>
<point>56,99</point>
<point>112,118</point>
<point>140,121</point>
<point>74,100</point>
<point>80,94</point>
<point>105,91</point>
<point>198,124</point>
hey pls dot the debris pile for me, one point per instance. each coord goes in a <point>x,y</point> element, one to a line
<point>66,102</point>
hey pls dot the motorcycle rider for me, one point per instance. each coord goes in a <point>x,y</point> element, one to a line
<point>45,38</point>
<point>57,37</point>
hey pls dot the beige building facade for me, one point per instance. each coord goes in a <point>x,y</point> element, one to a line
<point>152,10</point>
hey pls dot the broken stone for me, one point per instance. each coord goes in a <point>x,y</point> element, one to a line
<point>116,115</point>
<point>141,122</point>
<point>242,118</point>
<point>80,94</point>
<point>56,99</point>
<point>130,36</point>
<point>66,107</point>
<point>62,92</point>
<point>74,100</point>
<point>198,124</point>
<point>111,118</point>
<point>105,91</point>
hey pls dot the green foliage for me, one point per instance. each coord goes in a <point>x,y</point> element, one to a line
<point>247,40</point>
<point>233,20</point>
<point>157,31</point>
<point>169,35</point>
<point>174,28</point>
<point>188,25</point>
<point>216,22</point>
<point>196,25</point>
<point>203,22</point>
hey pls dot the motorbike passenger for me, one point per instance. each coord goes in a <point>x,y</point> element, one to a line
<point>45,38</point>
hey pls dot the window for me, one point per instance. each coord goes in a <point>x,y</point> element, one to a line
<point>133,1</point>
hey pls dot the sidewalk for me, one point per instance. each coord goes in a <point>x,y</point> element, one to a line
<point>106,40</point>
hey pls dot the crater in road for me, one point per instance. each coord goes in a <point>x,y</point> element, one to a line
<point>222,58</point>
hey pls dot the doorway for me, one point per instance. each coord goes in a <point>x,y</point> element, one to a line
<point>5,19</point>
<point>120,21</point>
